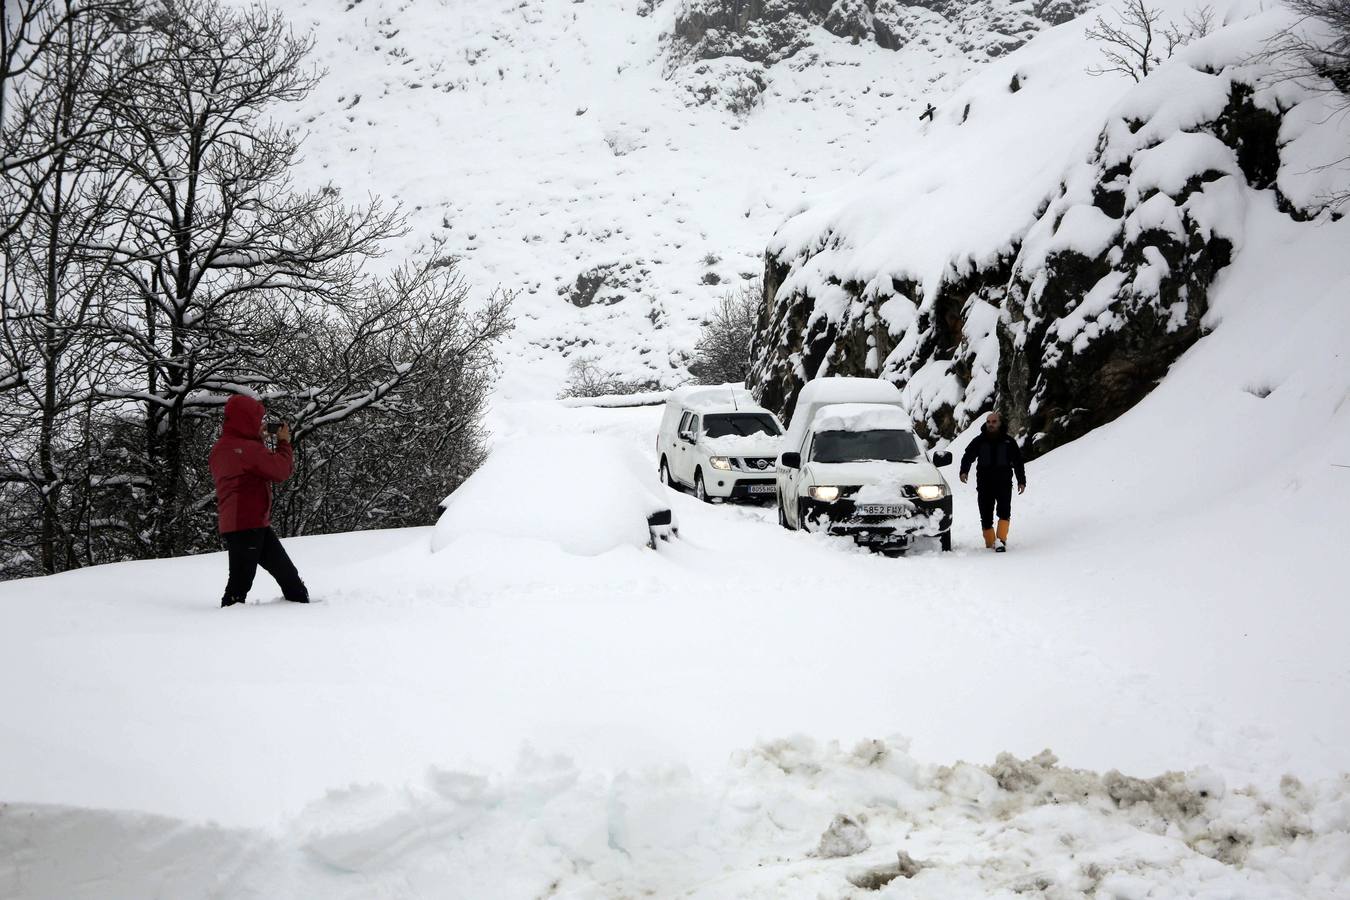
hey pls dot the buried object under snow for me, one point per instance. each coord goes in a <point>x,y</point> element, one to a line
<point>587,494</point>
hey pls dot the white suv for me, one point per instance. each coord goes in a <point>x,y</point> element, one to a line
<point>852,465</point>
<point>718,442</point>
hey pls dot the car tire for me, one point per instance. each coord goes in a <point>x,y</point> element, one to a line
<point>663,472</point>
<point>782,514</point>
<point>945,539</point>
<point>700,490</point>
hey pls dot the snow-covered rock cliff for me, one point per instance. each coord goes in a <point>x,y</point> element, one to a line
<point>1048,243</point>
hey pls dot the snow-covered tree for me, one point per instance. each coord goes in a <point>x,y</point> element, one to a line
<point>60,198</point>
<point>722,354</point>
<point>220,243</point>
<point>157,258</point>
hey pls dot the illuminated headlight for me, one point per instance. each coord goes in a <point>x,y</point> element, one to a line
<point>930,491</point>
<point>720,462</point>
<point>825,493</point>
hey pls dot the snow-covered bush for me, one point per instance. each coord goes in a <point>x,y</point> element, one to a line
<point>586,378</point>
<point>722,354</point>
<point>379,458</point>
<point>732,84</point>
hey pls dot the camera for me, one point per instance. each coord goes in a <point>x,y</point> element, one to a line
<point>274,427</point>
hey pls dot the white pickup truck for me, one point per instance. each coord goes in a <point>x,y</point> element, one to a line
<point>717,441</point>
<point>852,465</point>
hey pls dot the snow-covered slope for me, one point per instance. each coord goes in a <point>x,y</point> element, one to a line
<point>560,151</point>
<point>1049,242</point>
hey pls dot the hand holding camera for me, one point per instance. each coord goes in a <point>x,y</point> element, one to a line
<point>279,430</point>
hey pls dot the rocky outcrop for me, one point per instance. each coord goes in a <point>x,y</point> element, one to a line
<point>606,284</point>
<point>1127,251</point>
<point>731,84</point>
<point>1085,310</point>
<point>767,31</point>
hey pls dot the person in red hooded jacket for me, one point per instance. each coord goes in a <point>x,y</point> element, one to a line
<point>244,470</point>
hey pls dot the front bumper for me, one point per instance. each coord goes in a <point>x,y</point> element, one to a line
<point>735,487</point>
<point>922,518</point>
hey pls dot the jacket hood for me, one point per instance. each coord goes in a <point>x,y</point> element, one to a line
<point>243,417</point>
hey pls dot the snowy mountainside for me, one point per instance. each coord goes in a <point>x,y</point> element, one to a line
<point>1068,265</point>
<point>558,150</point>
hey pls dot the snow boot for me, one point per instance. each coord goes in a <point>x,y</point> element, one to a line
<point>1002,536</point>
<point>227,600</point>
<point>989,539</point>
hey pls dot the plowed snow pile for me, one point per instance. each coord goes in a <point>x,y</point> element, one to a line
<point>901,828</point>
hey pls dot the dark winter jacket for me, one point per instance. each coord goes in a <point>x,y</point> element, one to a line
<point>994,455</point>
<point>244,469</point>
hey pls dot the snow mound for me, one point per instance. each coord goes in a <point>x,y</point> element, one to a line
<point>587,494</point>
<point>751,830</point>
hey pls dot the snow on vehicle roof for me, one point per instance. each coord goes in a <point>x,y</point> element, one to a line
<point>715,398</point>
<point>848,390</point>
<point>861,417</point>
<point>835,390</point>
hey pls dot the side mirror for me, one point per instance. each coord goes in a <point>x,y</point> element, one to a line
<point>791,459</point>
<point>942,458</point>
<point>688,437</point>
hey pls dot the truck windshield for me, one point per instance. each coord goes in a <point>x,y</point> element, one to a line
<point>860,446</point>
<point>743,424</point>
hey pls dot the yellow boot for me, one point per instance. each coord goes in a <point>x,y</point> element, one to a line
<point>989,538</point>
<point>1002,535</point>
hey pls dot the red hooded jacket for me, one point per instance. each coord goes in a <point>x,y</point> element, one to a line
<point>244,469</point>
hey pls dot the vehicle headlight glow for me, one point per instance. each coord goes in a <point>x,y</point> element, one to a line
<point>720,462</point>
<point>825,493</point>
<point>931,491</point>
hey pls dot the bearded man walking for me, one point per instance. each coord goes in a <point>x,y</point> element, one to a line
<point>997,459</point>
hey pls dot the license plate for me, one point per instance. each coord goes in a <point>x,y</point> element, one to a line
<point>762,488</point>
<point>880,509</point>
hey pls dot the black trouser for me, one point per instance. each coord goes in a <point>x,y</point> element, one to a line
<point>255,547</point>
<point>993,489</point>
